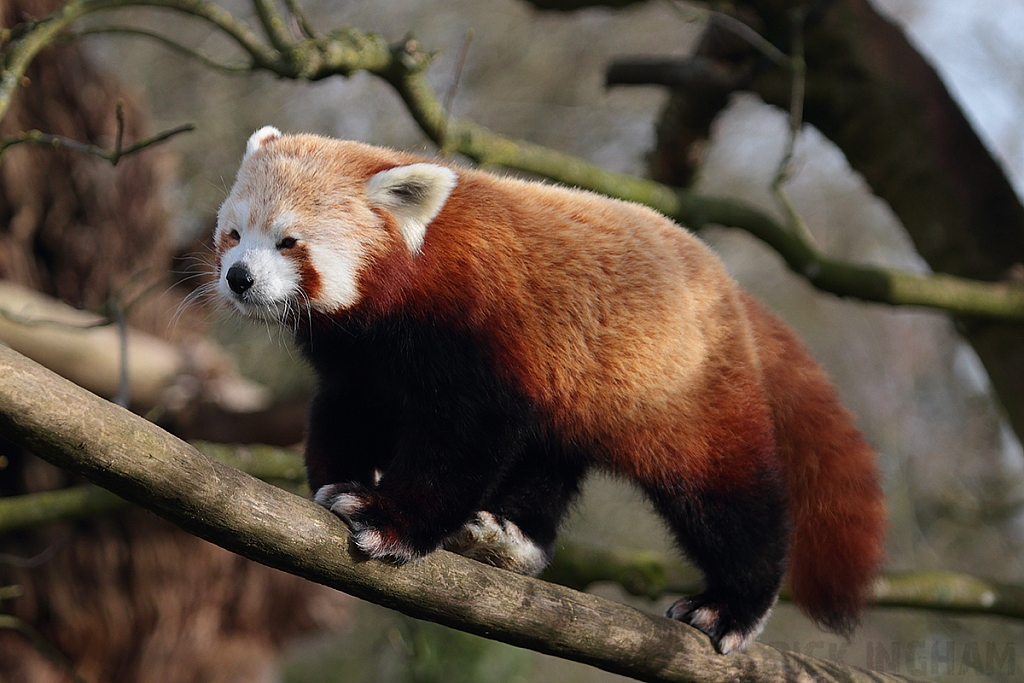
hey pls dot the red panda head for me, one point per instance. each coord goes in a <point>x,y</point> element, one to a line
<point>308,217</point>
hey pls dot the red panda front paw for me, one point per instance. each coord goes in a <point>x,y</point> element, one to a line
<point>371,533</point>
<point>728,631</point>
<point>343,500</point>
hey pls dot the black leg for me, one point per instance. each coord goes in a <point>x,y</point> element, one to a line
<point>450,453</point>
<point>454,428</point>
<point>738,536</point>
<point>519,520</point>
<point>350,439</point>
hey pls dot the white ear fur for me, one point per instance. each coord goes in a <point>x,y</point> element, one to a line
<point>414,195</point>
<point>260,138</point>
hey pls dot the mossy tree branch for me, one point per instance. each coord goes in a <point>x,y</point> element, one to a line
<point>138,461</point>
<point>345,51</point>
<point>638,573</point>
<point>648,575</point>
<point>882,103</point>
<point>87,500</point>
<point>870,283</point>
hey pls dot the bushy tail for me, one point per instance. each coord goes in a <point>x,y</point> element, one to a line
<point>837,508</point>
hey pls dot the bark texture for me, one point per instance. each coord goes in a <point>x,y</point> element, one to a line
<point>138,461</point>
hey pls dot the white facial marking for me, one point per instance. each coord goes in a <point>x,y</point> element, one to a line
<point>284,224</point>
<point>275,279</point>
<point>235,215</point>
<point>414,195</point>
<point>337,262</point>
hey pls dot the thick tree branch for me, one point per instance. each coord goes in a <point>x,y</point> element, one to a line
<point>639,573</point>
<point>345,51</point>
<point>87,500</point>
<point>644,574</point>
<point>138,461</point>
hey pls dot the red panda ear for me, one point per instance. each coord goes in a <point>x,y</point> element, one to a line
<point>260,138</point>
<point>414,195</point>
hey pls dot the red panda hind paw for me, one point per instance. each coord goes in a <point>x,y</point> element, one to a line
<point>726,632</point>
<point>498,542</point>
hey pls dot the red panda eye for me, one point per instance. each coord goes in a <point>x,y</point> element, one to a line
<point>286,243</point>
<point>234,235</point>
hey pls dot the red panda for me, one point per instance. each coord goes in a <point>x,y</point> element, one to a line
<point>482,342</point>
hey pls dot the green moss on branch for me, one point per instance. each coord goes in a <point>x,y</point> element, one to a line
<point>345,51</point>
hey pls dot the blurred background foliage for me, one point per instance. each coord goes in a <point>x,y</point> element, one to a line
<point>954,470</point>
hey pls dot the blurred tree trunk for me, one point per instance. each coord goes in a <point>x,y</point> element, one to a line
<point>879,100</point>
<point>127,596</point>
<point>71,225</point>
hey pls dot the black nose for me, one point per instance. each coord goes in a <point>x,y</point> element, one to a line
<point>239,279</point>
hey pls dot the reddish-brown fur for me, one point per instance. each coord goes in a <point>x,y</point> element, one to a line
<point>625,333</point>
<point>837,508</point>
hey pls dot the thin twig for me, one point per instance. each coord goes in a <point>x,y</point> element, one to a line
<point>205,60</point>
<point>111,155</point>
<point>798,71</point>
<point>300,18</point>
<point>273,24</point>
<point>119,139</point>
<point>694,12</point>
<point>219,18</point>
<point>449,98</point>
<point>30,562</point>
<point>124,389</point>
